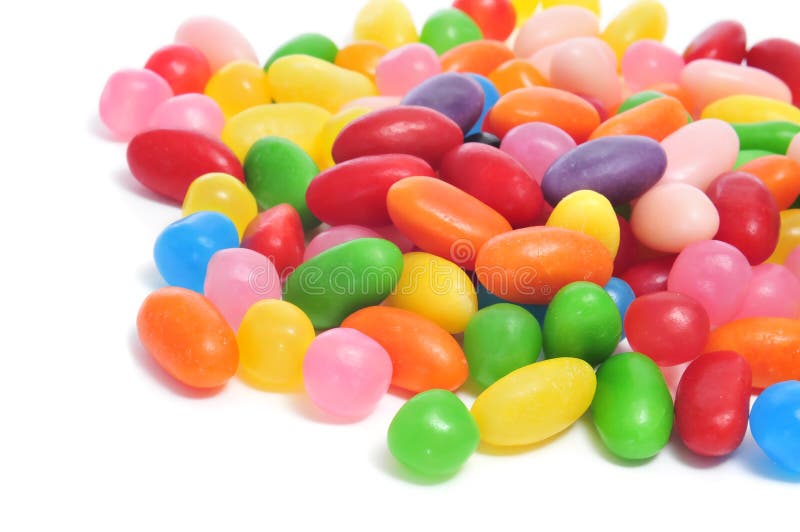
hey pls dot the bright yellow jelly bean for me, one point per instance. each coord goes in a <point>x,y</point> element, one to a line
<point>221,193</point>
<point>299,122</point>
<point>238,86</point>
<point>273,339</point>
<point>591,5</point>
<point>524,9</point>
<point>535,402</point>
<point>747,109</point>
<point>590,213</point>
<point>331,130</point>
<point>644,19</point>
<point>789,236</point>
<point>388,22</point>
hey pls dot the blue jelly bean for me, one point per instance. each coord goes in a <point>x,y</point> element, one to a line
<point>490,97</point>
<point>775,424</point>
<point>487,299</point>
<point>622,294</point>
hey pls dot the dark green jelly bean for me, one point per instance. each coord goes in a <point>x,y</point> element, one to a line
<point>624,210</point>
<point>745,156</point>
<point>313,44</point>
<point>774,136</point>
<point>448,28</point>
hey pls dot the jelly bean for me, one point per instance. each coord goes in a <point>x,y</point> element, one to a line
<point>745,108</point>
<point>236,279</point>
<point>277,233</point>
<point>530,265</point>
<point>238,86</point>
<point>571,113</point>
<point>499,339</point>
<point>775,136</point>
<point>192,112</point>
<point>447,28</point>
<point>354,192</point>
<point>387,22</point>
<point>647,63</point>
<point>543,59</point>
<point>183,248</point>
<point>792,263</point>
<point>495,18</point>
<point>632,408</point>
<point>185,68</point>
<point>582,321</point>
<point>299,122</point>
<point>770,345</point>
<point>553,26</point>
<point>635,100</point>
<point>220,42</point>
<point>656,119</point>
<point>588,212</point>
<point>362,57</point>
<point>273,339</point>
<point>773,291</point>
<point>535,402</point>
<point>487,299</point>
<point>279,171</point>
<point>620,168</point>
<point>524,9</point>
<point>674,90</point>
<point>775,424</point>
<point>649,276</point>
<point>372,103</point>
<point>188,337</point>
<point>479,57</point>
<point>346,373</point>
<point>747,156</point>
<point>780,58</point>
<point>221,193</point>
<point>343,279</point>
<point>587,66</point>
<point>622,295</point>
<point>297,78</point>
<point>725,40</point>
<point>536,146</point>
<point>129,99</point>
<point>748,215</point>
<point>643,19</point>
<point>393,235</point>
<point>456,96</point>
<point>699,152</point>
<point>417,131</point>
<point>190,155</point>
<point>715,274</point>
<point>516,74</point>
<point>324,144</point>
<point>433,434</point>
<point>591,5</point>
<point>789,236</point>
<point>496,179</point>
<point>443,220</point>
<point>490,97</point>
<point>404,68</point>
<point>712,403</point>
<point>627,250</point>
<point>423,354</point>
<point>436,289</point>
<point>312,44</point>
<point>780,174</point>
<point>334,236</point>
<point>483,138</point>
<point>672,216</point>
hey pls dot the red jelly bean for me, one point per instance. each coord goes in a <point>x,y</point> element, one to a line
<point>650,275</point>
<point>726,41</point>
<point>713,402</point>
<point>780,58</point>
<point>184,67</point>
<point>354,192</point>
<point>168,160</point>
<point>495,18</point>
<point>496,179</point>
<point>277,233</point>
<point>626,253</point>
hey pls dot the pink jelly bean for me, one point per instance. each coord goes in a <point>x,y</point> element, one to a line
<point>698,152</point>
<point>373,103</point>
<point>236,279</point>
<point>792,262</point>
<point>542,60</point>
<point>192,112</point>
<point>129,98</point>
<point>587,66</point>
<point>794,148</point>
<point>335,236</point>
<point>536,146</point>
<point>404,68</point>
<point>393,235</point>
<point>714,273</point>
<point>219,41</point>
<point>773,291</point>
<point>647,63</point>
<point>346,373</point>
<point>555,25</point>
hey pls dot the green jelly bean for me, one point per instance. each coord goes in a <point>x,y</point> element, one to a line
<point>448,28</point>
<point>774,136</point>
<point>745,156</point>
<point>278,171</point>
<point>313,44</point>
<point>635,100</point>
<point>583,322</point>
<point>632,408</point>
<point>433,434</point>
<point>345,278</point>
<point>500,339</point>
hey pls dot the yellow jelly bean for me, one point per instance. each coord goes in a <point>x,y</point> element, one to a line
<point>789,236</point>
<point>299,122</point>
<point>273,339</point>
<point>591,5</point>
<point>590,213</point>
<point>644,19</point>
<point>747,109</point>
<point>238,86</point>
<point>437,289</point>
<point>535,402</point>
<point>524,9</point>
<point>331,130</point>
<point>221,193</point>
<point>388,22</point>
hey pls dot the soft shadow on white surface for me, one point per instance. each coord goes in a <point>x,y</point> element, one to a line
<point>98,130</point>
<point>302,405</point>
<point>384,461</point>
<point>756,462</point>
<point>148,275</point>
<point>123,179</point>
<point>602,450</point>
<point>682,454</point>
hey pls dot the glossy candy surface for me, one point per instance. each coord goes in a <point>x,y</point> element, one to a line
<point>447,28</point>
<point>516,74</point>
<point>185,68</point>
<point>789,236</point>
<point>313,44</point>
<point>238,86</point>
<point>775,136</point>
<point>490,97</point>
<point>725,40</point>
<point>780,174</point>
<point>478,57</point>
<point>456,96</point>
<point>495,18</point>
<point>553,26</point>
<point>587,66</point>
<point>402,69</point>
<point>746,108</point>
<point>192,112</point>
<point>699,152</point>
<point>385,21</point>
<point>536,146</point>
<point>362,57</point>
<point>643,19</point>
<point>773,291</point>
<point>647,63</point>
<point>775,424</point>
<point>219,41</point>
<point>221,193</point>
<point>588,212</point>
<point>334,236</point>
<point>129,99</point>
<point>649,276</point>
<point>656,119</point>
<point>779,57</point>
<point>622,295</point>
<point>277,233</point>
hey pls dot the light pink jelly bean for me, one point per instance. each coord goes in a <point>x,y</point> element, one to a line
<point>236,279</point>
<point>554,25</point>
<point>714,273</point>
<point>536,146</point>
<point>393,235</point>
<point>346,373</point>
<point>375,103</point>
<point>129,98</point>
<point>698,152</point>
<point>543,59</point>
<point>335,236</point>
<point>219,41</point>
<point>794,148</point>
<point>792,262</point>
<point>587,66</point>
<point>647,63</point>
<point>404,68</point>
<point>192,112</point>
<point>773,291</point>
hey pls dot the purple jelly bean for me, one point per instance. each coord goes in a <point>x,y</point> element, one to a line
<point>457,96</point>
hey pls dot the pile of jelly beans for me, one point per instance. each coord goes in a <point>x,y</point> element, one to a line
<point>502,197</point>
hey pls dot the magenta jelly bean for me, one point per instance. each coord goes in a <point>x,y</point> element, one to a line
<point>129,98</point>
<point>335,236</point>
<point>536,146</point>
<point>793,262</point>
<point>647,63</point>
<point>393,235</point>
<point>191,112</point>
<point>404,68</point>
<point>773,291</point>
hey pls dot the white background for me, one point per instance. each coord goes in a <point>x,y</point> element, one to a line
<point>93,436</point>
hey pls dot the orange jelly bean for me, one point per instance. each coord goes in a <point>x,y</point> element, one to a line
<point>424,356</point>
<point>530,265</point>
<point>188,337</point>
<point>442,219</point>
<point>516,74</point>
<point>676,91</point>
<point>770,345</point>
<point>577,117</point>
<point>781,175</point>
<point>361,56</point>
<point>656,119</point>
<point>479,57</point>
